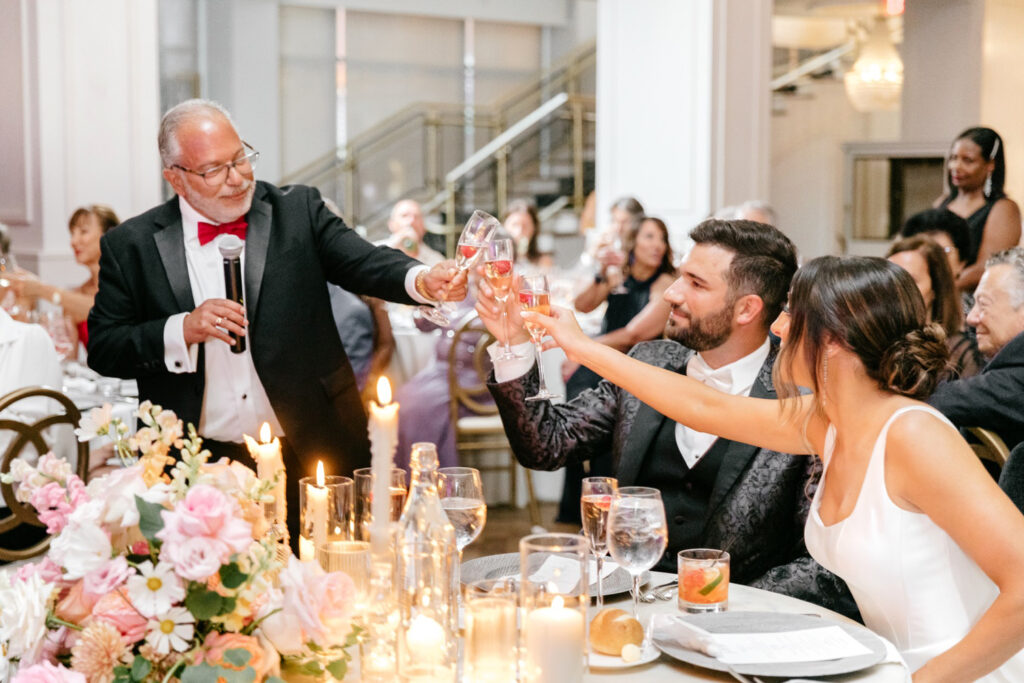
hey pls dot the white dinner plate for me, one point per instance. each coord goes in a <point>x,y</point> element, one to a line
<point>600,661</point>
<point>507,564</point>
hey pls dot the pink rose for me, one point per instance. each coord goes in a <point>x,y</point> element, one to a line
<point>52,506</point>
<point>337,594</point>
<point>195,559</point>
<point>140,548</point>
<point>47,673</point>
<point>48,570</point>
<point>77,605</point>
<point>115,609</point>
<point>218,643</point>
<point>110,576</point>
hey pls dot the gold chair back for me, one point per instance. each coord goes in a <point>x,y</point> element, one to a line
<point>990,445</point>
<point>31,434</point>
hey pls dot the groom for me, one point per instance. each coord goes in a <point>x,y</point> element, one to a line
<point>717,493</point>
<point>161,315</point>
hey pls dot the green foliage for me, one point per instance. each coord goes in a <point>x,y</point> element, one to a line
<point>231,576</point>
<point>205,673</point>
<point>237,656</point>
<point>140,668</point>
<point>338,668</point>
<point>204,604</point>
<point>150,521</point>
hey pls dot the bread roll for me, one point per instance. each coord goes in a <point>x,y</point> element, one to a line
<point>611,629</point>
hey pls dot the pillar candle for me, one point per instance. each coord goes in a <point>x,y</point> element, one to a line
<point>554,644</point>
<point>383,426</point>
<point>267,454</point>
<point>317,501</point>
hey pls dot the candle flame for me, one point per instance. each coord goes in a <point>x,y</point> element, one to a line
<point>558,602</point>
<point>319,472</point>
<point>265,433</point>
<point>383,391</point>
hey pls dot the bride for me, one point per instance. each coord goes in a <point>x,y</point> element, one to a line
<point>930,547</point>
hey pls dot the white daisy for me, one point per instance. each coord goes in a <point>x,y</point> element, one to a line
<point>171,631</point>
<point>154,589</point>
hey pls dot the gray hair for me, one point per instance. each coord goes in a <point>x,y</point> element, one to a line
<point>1015,259</point>
<point>739,211</point>
<point>167,139</point>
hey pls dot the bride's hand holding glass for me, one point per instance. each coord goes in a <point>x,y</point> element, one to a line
<point>563,329</point>
<point>490,311</point>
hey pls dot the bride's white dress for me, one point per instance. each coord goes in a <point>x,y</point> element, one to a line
<point>912,582</point>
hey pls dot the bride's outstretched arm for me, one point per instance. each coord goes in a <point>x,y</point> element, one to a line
<point>760,422</point>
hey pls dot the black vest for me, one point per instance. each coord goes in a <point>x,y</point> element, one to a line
<point>684,491</point>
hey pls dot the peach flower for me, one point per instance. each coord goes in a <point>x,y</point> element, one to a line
<point>219,643</point>
<point>99,649</point>
<point>77,605</point>
<point>116,610</point>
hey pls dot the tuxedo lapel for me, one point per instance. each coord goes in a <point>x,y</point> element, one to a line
<point>738,455</point>
<point>257,242</point>
<point>170,244</point>
<point>645,427</point>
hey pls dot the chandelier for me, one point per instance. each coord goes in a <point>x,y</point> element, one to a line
<point>876,79</point>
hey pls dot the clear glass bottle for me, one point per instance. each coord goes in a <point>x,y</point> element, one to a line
<point>426,573</point>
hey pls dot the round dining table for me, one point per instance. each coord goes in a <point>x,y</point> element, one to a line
<point>745,598</point>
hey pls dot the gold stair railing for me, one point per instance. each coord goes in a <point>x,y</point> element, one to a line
<point>428,138</point>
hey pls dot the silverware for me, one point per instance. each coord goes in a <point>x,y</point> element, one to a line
<point>736,674</point>
<point>649,595</point>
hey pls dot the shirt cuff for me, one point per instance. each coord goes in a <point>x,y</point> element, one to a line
<point>410,284</point>
<point>179,357</point>
<point>507,370</point>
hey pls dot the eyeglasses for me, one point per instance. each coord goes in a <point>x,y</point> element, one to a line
<point>218,174</point>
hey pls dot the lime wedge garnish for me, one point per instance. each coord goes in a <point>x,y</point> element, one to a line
<point>712,584</point>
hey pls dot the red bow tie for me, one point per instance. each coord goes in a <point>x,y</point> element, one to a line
<point>208,231</point>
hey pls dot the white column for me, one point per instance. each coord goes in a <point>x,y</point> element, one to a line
<point>85,104</point>
<point>683,106</point>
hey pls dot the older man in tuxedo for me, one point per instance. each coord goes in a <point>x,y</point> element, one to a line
<point>717,493</point>
<point>161,315</point>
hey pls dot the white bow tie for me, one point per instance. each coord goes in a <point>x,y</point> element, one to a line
<point>699,370</point>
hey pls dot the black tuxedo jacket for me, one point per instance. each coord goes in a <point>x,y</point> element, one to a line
<point>760,500</point>
<point>293,247</point>
<point>992,399</point>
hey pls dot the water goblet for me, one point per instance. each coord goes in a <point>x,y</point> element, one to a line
<point>637,532</point>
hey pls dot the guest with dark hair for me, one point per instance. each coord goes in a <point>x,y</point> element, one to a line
<point>523,225</point>
<point>975,175</point>
<point>929,545</point>
<point>718,493</point>
<point>949,230</point>
<point>86,225</point>
<point>926,262</point>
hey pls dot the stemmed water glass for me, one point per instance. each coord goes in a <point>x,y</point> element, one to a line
<point>462,497</point>
<point>637,532</point>
<point>478,232</point>
<point>534,295</point>
<point>498,270</point>
<point>594,506</point>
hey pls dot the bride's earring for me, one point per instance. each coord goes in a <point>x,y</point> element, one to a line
<point>824,380</point>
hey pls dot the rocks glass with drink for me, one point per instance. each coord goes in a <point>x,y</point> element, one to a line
<point>637,532</point>
<point>472,243</point>
<point>703,580</point>
<point>595,503</point>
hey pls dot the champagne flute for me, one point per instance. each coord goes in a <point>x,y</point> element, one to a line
<point>595,503</point>
<point>535,296</point>
<point>498,270</point>
<point>637,532</point>
<point>475,236</point>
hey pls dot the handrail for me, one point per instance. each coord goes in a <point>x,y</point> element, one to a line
<point>812,65</point>
<point>510,134</point>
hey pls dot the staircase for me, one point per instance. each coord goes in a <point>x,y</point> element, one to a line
<point>537,142</point>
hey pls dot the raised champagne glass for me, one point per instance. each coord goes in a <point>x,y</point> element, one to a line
<point>595,502</point>
<point>535,295</point>
<point>473,242</point>
<point>499,273</point>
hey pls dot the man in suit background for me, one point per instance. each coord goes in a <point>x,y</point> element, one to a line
<point>992,398</point>
<point>717,493</point>
<point>161,315</point>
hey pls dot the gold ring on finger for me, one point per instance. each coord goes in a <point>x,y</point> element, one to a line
<point>218,321</point>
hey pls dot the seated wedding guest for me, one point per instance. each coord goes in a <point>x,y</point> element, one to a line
<point>425,397</point>
<point>992,398</point>
<point>636,312</point>
<point>718,493</point>
<point>932,554</point>
<point>523,226</point>
<point>87,225</point>
<point>975,176</point>
<point>926,262</point>
<point>946,228</point>
<point>407,232</point>
<point>609,247</point>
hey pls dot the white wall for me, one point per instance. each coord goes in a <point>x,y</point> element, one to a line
<point>1002,84</point>
<point>83,100</point>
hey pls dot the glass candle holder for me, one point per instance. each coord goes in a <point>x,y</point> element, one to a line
<point>427,646</point>
<point>325,512</point>
<point>377,646</point>
<point>491,638</point>
<point>553,595</point>
<point>364,495</point>
<point>352,558</point>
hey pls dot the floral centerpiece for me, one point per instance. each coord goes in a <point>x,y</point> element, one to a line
<point>163,570</point>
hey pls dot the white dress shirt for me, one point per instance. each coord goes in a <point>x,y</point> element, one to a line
<point>234,402</point>
<point>736,378</point>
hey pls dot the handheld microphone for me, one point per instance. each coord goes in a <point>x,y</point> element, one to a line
<point>231,250</point>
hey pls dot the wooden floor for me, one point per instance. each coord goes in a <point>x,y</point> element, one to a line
<point>505,526</point>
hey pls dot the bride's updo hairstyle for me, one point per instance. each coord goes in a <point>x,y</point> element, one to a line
<point>871,307</point>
